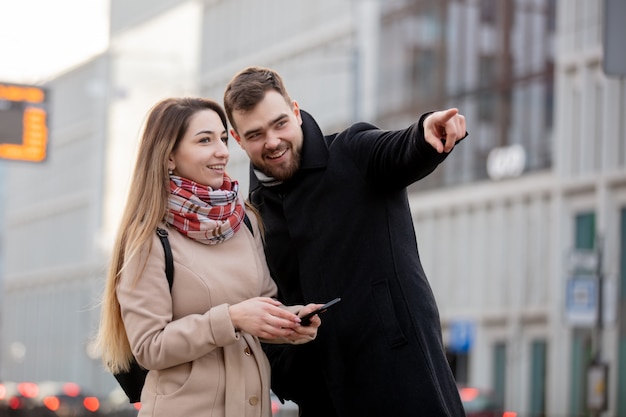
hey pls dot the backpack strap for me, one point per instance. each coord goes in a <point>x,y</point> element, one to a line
<point>246,220</point>
<point>169,259</point>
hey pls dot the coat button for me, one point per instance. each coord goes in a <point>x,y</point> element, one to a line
<point>247,351</point>
<point>254,400</point>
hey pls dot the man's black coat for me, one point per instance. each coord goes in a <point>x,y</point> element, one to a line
<point>342,227</point>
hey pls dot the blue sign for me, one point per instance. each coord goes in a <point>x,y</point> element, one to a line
<point>461,336</point>
<point>582,300</point>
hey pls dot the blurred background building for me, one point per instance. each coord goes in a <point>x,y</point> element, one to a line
<point>514,228</point>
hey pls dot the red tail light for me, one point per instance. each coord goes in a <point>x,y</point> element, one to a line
<point>52,403</point>
<point>71,389</point>
<point>509,414</point>
<point>91,403</point>
<point>468,394</point>
<point>28,389</point>
<point>137,406</point>
<point>15,403</point>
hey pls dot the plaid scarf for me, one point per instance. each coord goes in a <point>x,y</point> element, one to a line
<point>201,213</point>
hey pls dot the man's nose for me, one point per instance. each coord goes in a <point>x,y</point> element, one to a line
<point>272,141</point>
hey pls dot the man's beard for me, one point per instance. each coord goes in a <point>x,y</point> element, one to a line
<point>283,173</point>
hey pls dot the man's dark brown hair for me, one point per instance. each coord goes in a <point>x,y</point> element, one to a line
<point>248,87</point>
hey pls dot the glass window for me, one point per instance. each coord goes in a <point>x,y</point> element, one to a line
<point>549,96</point>
<point>538,379</point>
<point>551,20</point>
<point>585,230</point>
<point>581,354</point>
<point>584,238</point>
<point>499,371</point>
<point>488,11</point>
<point>621,364</point>
<point>487,97</point>
<point>424,73</point>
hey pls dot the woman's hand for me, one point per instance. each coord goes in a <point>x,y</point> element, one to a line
<point>264,317</point>
<point>304,334</point>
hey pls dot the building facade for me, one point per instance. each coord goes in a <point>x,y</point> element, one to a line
<point>539,184</point>
<point>53,261</point>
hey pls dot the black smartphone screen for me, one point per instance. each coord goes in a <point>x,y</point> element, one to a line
<point>306,319</point>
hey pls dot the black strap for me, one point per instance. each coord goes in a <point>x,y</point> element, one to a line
<point>169,259</point>
<point>246,220</point>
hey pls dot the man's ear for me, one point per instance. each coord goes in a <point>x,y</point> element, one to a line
<point>236,136</point>
<point>296,111</point>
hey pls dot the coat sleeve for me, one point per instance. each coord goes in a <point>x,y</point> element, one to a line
<point>393,159</point>
<point>157,341</point>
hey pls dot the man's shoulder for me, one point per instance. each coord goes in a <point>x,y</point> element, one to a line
<point>354,130</point>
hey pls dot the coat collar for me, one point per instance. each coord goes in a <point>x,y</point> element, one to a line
<point>314,148</point>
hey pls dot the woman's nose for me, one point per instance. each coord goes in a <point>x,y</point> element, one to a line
<point>223,150</point>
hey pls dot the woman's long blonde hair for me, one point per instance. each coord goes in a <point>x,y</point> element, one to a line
<point>145,208</point>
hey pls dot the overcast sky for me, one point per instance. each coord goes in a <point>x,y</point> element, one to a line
<point>40,39</point>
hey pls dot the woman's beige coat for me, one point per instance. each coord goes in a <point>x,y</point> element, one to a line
<point>199,365</point>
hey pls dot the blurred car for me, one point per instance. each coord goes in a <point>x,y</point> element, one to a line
<point>19,399</point>
<point>6,391</point>
<point>479,402</point>
<point>67,399</point>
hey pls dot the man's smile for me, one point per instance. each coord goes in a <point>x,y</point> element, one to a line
<point>277,154</point>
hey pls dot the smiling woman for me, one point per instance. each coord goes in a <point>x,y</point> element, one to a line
<point>202,154</point>
<point>40,38</point>
<point>199,339</point>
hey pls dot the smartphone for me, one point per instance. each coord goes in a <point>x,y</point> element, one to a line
<point>306,319</point>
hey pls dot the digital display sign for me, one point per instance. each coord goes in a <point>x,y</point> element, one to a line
<point>23,122</point>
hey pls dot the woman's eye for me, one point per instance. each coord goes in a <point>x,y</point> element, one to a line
<point>225,139</point>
